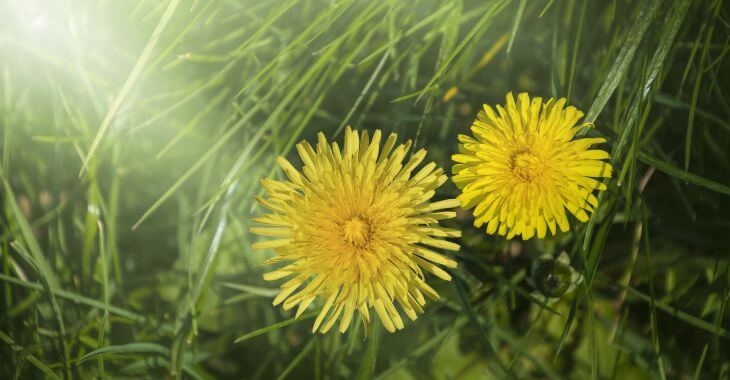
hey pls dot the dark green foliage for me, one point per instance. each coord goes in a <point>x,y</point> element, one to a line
<point>134,135</point>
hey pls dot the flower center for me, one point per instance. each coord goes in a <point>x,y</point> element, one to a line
<point>525,164</point>
<point>357,232</point>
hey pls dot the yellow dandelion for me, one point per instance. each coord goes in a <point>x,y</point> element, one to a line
<point>523,168</point>
<point>354,228</point>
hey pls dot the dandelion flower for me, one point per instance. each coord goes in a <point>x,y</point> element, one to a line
<point>523,168</point>
<point>356,228</point>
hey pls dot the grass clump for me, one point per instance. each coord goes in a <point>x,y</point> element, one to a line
<point>134,136</point>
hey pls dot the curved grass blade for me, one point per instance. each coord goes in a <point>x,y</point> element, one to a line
<point>684,175</point>
<point>423,348</point>
<point>682,315</point>
<point>131,348</point>
<point>364,91</point>
<point>275,326</point>
<point>131,80</point>
<point>138,318</point>
<point>516,24</point>
<point>697,87</point>
<point>644,17</point>
<point>474,321</point>
<point>54,305</point>
<point>254,290</point>
<point>293,364</point>
<point>497,7</point>
<point>44,268</point>
<point>31,358</point>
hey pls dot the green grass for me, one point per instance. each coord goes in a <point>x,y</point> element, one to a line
<point>134,136</point>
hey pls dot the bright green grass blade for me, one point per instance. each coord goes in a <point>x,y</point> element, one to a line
<point>255,290</point>
<point>419,26</point>
<point>130,82</point>
<point>39,259</point>
<point>668,34</point>
<point>192,124</point>
<point>362,94</point>
<point>493,10</point>
<point>367,14</point>
<point>130,348</point>
<point>275,15</point>
<point>198,164</point>
<point>275,326</point>
<point>54,306</point>
<point>178,39</point>
<point>548,4</point>
<point>643,19</point>
<point>516,24</point>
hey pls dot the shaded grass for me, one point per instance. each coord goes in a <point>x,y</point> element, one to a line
<point>143,265</point>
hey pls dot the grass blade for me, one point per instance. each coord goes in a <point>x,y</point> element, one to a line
<point>131,80</point>
<point>367,364</point>
<point>31,358</point>
<point>275,326</point>
<point>644,17</point>
<point>39,259</point>
<point>516,24</point>
<point>683,315</point>
<point>132,316</point>
<point>488,15</point>
<point>131,348</point>
<point>683,175</point>
<point>474,321</point>
<point>293,364</point>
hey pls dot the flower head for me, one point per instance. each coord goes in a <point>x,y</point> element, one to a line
<point>355,227</point>
<point>523,168</point>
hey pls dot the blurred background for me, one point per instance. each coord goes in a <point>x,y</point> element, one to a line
<point>134,135</point>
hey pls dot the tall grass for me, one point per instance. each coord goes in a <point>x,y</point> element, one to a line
<point>134,135</point>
